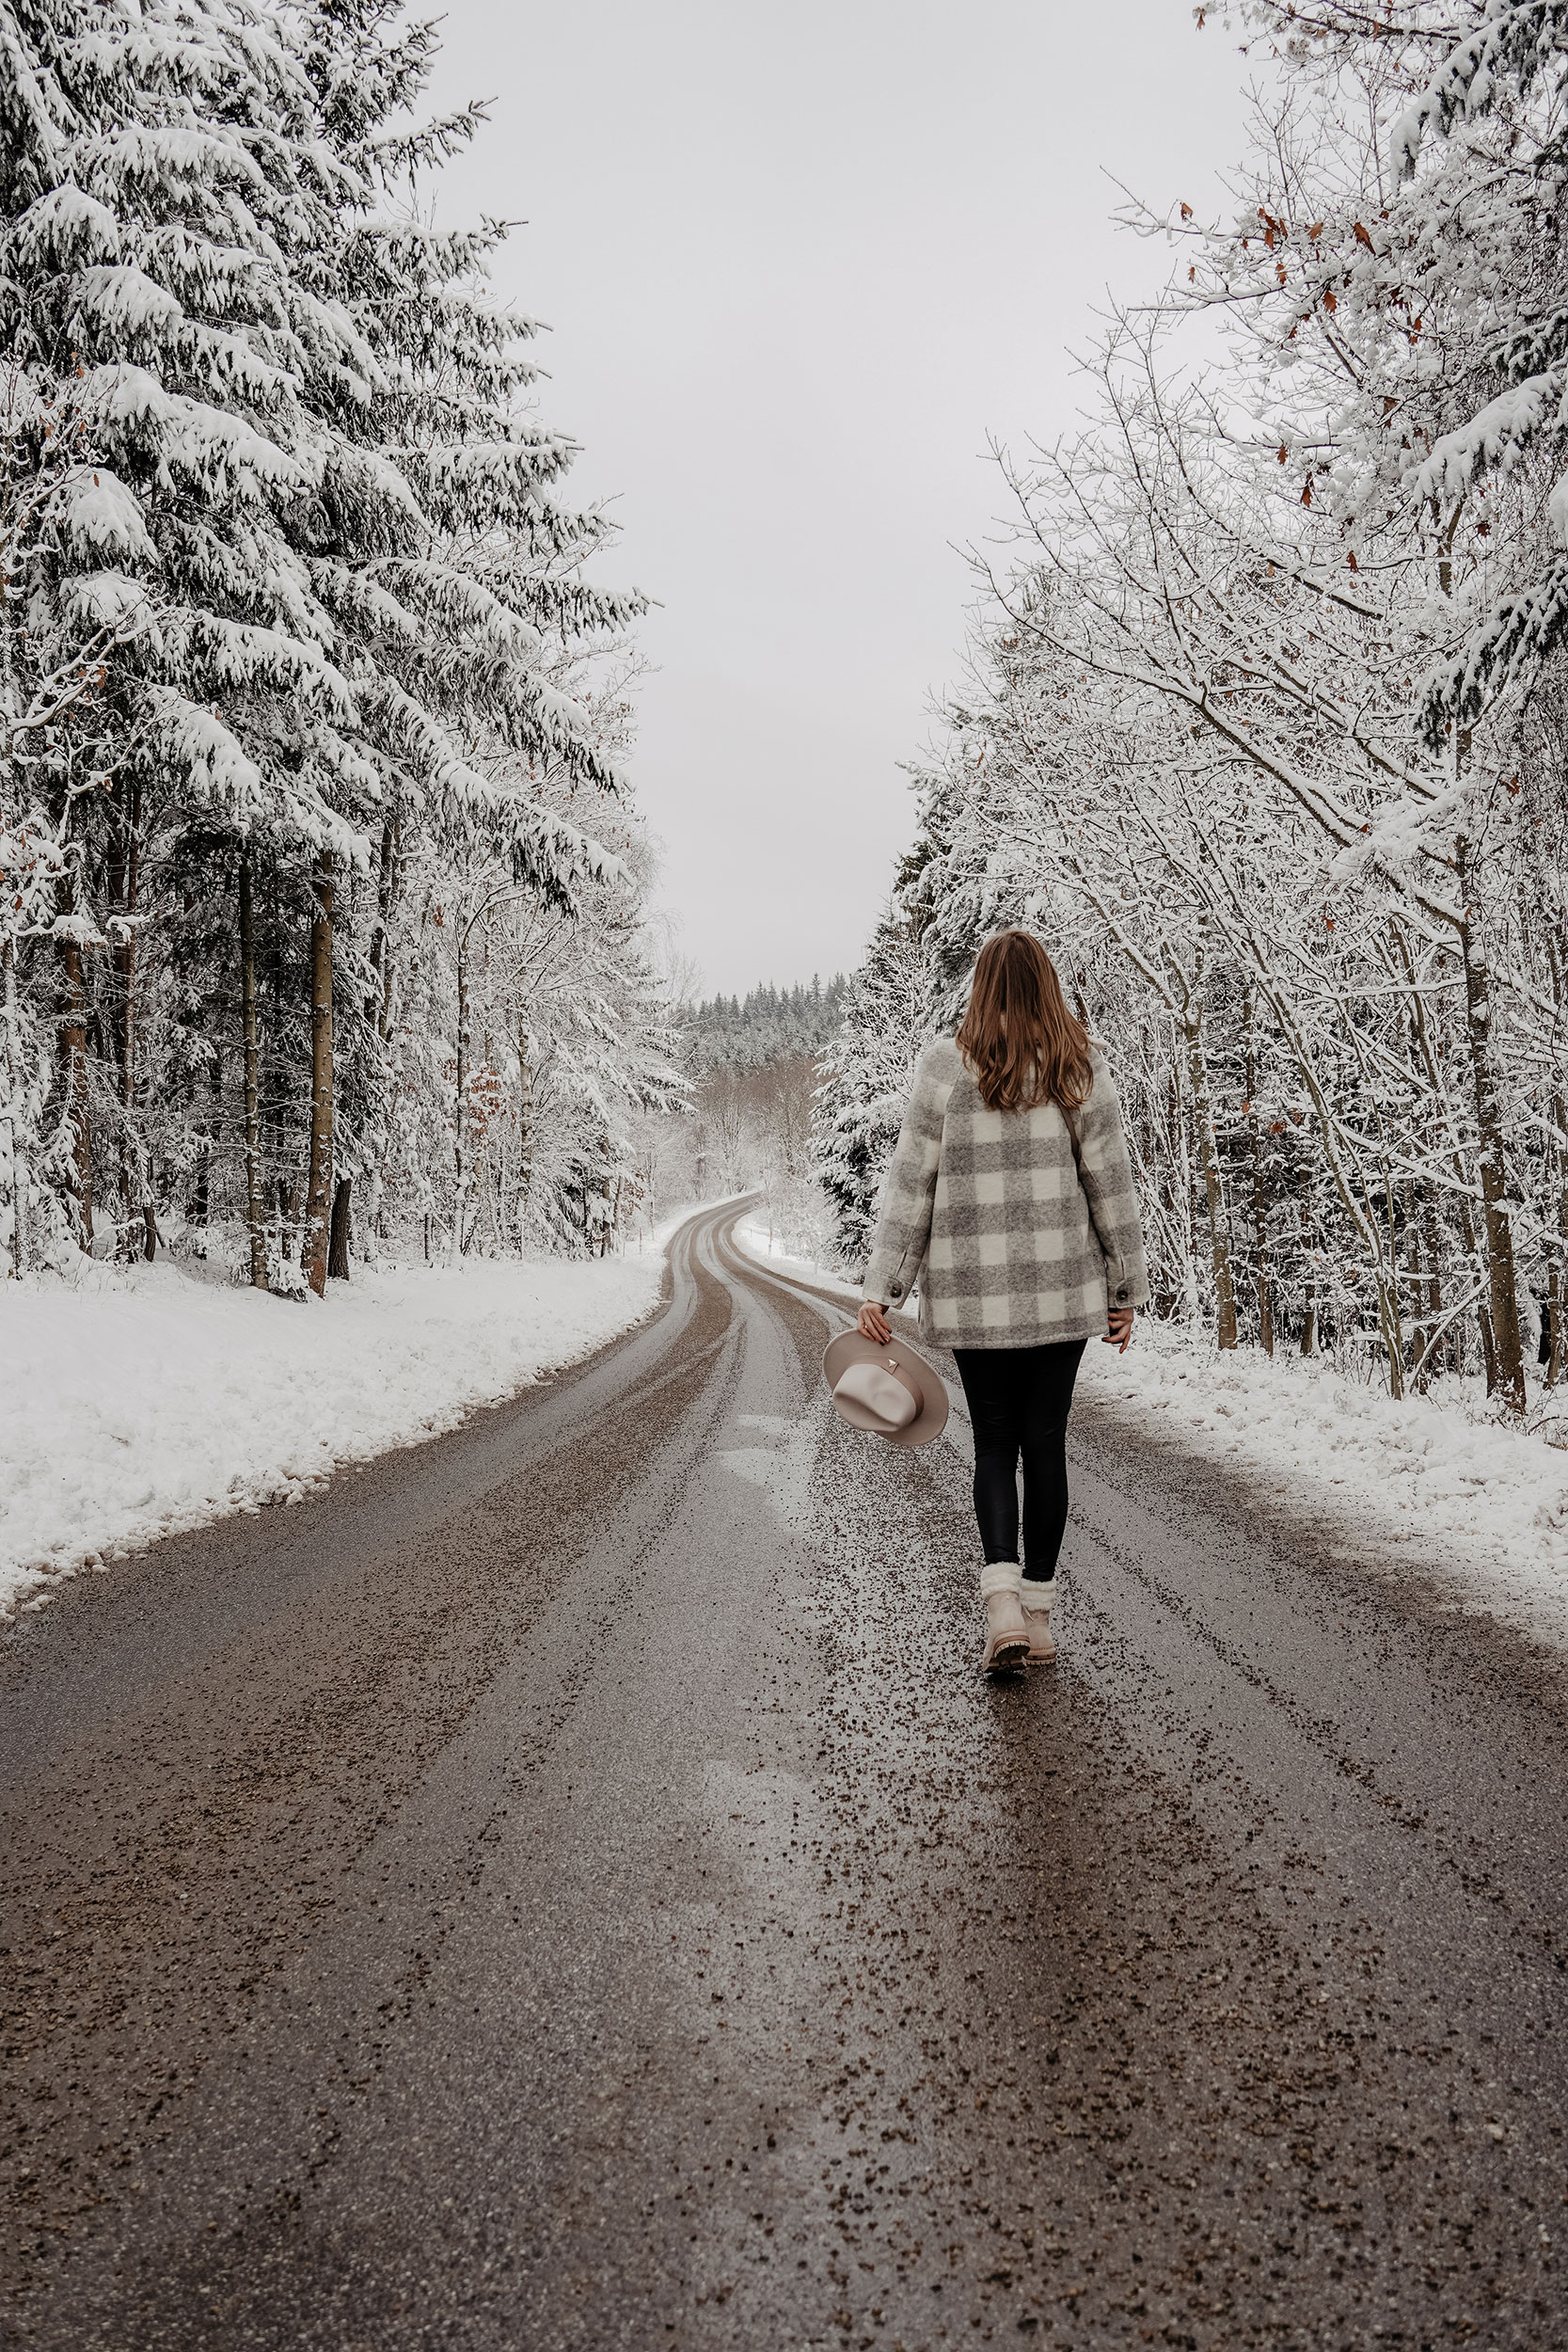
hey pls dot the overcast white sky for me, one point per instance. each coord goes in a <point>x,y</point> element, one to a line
<point>797,263</point>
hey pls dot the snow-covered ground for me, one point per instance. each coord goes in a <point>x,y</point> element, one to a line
<point>135,1402</point>
<point>1440,1488</point>
<point>755,1238</point>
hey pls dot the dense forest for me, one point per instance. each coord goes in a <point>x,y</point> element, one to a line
<point>753,1066</point>
<point>321,885</point>
<point>1264,724</point>
<point>322,890</point>
<point>767,1024</point>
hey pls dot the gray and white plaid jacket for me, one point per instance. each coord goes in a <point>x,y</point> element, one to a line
<point>1022,1240</point>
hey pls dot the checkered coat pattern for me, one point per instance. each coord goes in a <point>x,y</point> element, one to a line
<point>1016,1239</point>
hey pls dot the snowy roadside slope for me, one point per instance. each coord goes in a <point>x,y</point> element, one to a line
<point>752,1235</point>
<point>138,1402</point>
<point>1478,1509</point>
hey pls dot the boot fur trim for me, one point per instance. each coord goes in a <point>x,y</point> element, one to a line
<point>999,1576</point>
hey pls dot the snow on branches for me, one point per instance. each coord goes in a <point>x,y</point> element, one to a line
<point>1266,727</point>
<point>296,626</point>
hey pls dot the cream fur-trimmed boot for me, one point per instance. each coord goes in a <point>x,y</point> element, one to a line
<point>1035,1600</point>
<point>1007,1634</point>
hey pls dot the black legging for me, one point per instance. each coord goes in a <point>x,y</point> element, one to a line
<point>1019,1402</point>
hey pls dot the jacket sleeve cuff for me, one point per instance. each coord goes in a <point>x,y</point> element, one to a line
<point>884,1285</point>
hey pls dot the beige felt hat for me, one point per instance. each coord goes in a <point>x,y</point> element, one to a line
<point>889,1389</point>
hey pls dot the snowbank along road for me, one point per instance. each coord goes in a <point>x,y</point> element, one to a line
<point>566,1886</point>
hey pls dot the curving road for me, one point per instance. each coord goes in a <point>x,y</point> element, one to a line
<point>568,1887</point>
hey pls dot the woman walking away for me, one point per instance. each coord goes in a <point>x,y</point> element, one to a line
<point>1010,1197</point>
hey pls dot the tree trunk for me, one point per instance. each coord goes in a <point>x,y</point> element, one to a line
<point>13,1249</point>
<point>1181,1188</point>
<point>254,1216</point>
<point>1260,1189</point>
<point>1478,1258</point>
<point>1261,1228</point>
<point>1444,1353</point>
<point>1507,1372</point>
<point>1310,1253</point>
<point>319,1191</point>
<point>212,1137</point>
<point>1209,1158</point>
<point>1420,1339</point>
<point>1558,1306</point>
<point>73,1040</point>
<point>461,1134</point>
<point>199,1204</point>
<point>1554,1188</point>
<point>124,886</point>
<point>1387,1284</point>
<point>525,1133</point>
<point>378,1009</point>
<point>1453,1344</point>
<point>336,1257</point>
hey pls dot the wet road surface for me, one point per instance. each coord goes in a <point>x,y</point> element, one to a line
<point>566,1886</point>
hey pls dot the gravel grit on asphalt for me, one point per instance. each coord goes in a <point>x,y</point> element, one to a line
<point>567,1886</point>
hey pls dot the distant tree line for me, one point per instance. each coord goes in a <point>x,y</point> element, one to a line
<point>753,1066</point>
<point>767,1023</point>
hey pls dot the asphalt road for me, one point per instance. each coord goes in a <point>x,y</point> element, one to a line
<point>567,1886</point>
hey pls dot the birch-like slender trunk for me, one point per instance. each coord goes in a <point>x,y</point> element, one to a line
<point>1435,1276</point>
<point>124,887</point>
<point>1308,1251</point>
<point>1387,1283</point>
<point>254,1214</point>
<point>1556,1351</point>
<point>380,1005</point>
<point>484,1152</point>
<point>73,1042</point>
<point>318,1197</point>
<point>1558,1290</point>
<point>461,1123</point>
<point>525,1133</point>
<point>1208,1160</point>
<point>1419,1335</point>
<point>1507,1372</point>
<point>1260,1190</point>
<point>13,1249</point>
<point>1422,1033</point>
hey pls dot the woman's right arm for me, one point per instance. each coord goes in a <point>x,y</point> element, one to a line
<point>908,1190</point>
<point>1105,1172</point>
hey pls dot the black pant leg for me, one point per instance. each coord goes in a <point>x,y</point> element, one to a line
<point>993,1392</point>
<point>1045,1402</point>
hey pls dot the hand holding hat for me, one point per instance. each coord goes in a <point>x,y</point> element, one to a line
<point>891,1390</point>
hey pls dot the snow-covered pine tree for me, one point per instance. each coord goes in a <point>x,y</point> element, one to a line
<point>462,629</point>
<point>745,1032</point>
<point>313,463</point>
<point>150,154</point>
<point>889,1016</point>
<point>65,626</point>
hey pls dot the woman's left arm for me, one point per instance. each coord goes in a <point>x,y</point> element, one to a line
<point>1105,1171</point>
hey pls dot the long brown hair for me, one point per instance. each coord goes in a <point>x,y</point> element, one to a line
<point>1022,1043</point>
